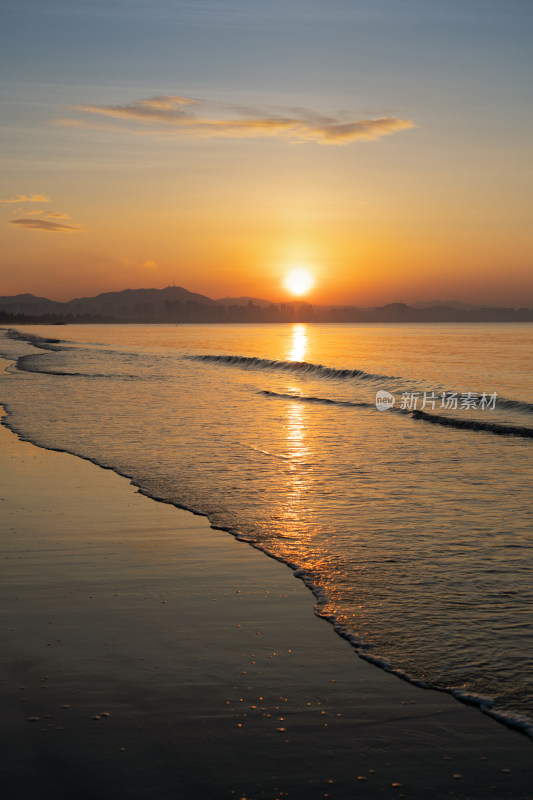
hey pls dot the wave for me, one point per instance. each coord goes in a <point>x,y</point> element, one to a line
<point>80,374</point>
<point>459,423</point>
<point>322,400</point>
<point>38,362</point>
<point>473,424</point>
<point>515,721</point>
<point>28,364</point>
<point>302,367</point>
<point>516,405</point>
<point>42,342</point>
<point>22,366</point>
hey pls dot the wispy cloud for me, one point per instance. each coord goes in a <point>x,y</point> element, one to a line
<point>44,225</point>
<point>27,198</point>
<point>203,119</point>
<point>57,215</point>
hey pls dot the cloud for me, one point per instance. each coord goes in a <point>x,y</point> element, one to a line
<point>166,108</point>
<point>43,225</point>
<point>28,212</point>
<point>201,119</point>
<point>150,265</point>
<point>25,198</point>
<point>56,215</point>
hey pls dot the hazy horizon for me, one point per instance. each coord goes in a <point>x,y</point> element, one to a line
<point>275,300</point>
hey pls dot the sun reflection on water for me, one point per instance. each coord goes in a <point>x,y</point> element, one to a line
<point>296,430</point>
<point>298,344</point>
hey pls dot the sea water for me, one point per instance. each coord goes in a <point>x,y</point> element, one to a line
<point>412,525</point>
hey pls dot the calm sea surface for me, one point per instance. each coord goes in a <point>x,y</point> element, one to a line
<point>415,530</point>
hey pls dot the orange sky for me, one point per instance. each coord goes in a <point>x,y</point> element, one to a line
<point>348,142</point>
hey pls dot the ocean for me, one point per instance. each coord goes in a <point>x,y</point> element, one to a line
<point>412,525</point>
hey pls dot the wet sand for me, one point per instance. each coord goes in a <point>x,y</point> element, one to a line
<point>145,655</point>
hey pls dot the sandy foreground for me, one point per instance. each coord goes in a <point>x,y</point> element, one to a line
<point>145,655</point>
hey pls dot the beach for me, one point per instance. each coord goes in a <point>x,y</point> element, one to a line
<point>146,655</point>
<point>266,401</point>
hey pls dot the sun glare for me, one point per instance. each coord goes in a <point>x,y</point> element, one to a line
<point>299,281</point>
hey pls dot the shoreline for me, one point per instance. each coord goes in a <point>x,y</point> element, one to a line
<point>206,659</point>
<point>515,723</point>
<point>520,725</point>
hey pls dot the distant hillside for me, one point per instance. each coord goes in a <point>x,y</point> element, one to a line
<point>137,304</point>
<point>448,303</point>
<point>30,305</point>
<point>178,305</point>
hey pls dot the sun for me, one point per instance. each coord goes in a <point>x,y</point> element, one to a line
<point>299,281</point>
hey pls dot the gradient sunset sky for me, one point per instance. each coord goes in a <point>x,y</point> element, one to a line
<point>385,145</point>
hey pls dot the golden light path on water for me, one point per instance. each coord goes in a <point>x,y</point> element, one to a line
<point>296,430</point>
<point>298,343</point>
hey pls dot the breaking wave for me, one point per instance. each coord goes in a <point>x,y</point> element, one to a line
<point>300,367</point>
